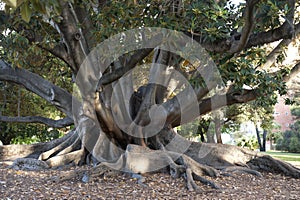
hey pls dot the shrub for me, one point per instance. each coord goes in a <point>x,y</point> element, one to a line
<point>249,142</point>
<point>294,146</point>
<point>17,133</point>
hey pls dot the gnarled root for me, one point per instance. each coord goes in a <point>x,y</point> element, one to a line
<point>138,159</point>
<point>75,157</point>
<point>29,164</point>
<point>196,171</point>
<point>270,164</point>
<point>84,174</point>
<point>238,169</point>
<point>60,147</point>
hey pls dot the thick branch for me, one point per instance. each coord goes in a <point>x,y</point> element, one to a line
<point>60,51</point>
<point>210,104</point>
<point>294,72</point>
<point>245,96</point>
<point>73,36</point>
<point>247,29</point>
<point>38,85</point>
<point>38,119</point>
<point>130,64</point>
<point>83,18</point>
<point>285,31</point>
<point>271,58</point>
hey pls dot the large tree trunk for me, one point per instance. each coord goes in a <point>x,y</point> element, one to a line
<point>136,136</point>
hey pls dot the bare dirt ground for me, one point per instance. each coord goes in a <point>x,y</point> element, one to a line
<point>40,185</point>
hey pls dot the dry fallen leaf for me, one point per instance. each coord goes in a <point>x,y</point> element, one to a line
<point>37,185</point>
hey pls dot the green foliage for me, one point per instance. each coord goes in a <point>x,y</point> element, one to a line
<point>258,114</point>
<point>296,111</point>
<point>26,11</point>
<point>27,8</point>
<point>294,145</point>
<point>15,101</point>
<point>211,20</point>
<point>248,142</point>
<point>290,140</point>
<point>27,133</point>
<point>194,129</point>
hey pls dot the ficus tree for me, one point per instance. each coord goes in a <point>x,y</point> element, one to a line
<point>141,68</point>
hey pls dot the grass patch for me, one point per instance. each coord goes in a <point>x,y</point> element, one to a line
<point>285,156</point>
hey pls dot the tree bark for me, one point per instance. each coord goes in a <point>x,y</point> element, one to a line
<point>38,85</point>
<point>258,138</point>
<point>218,129</point>
<point>265,132</point>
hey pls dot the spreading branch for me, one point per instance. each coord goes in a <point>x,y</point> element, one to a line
<point>244,96</point>
<point>213,103</point>
<point>53,94</point>
<point>61,123</point>
<point>129,64</point>
<point>285,31</point>
<point>59,51</point>
<point>36,36</point>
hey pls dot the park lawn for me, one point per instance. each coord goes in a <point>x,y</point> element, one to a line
<point>285,156</point>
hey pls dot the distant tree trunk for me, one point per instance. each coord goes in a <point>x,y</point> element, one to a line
<point>210,137</point>
<point>19,103</point>
<point>265,132</point>
<point>262,145</point>
<point>258,138</point>
<point>201,133</point>
<point>271,142</point>
<point>218,129</point>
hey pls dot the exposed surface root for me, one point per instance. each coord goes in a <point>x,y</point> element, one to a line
<point>176,170</point>
<point>270,164</point>
<point>72,147</point>
<point>205,181</point>
<point>29,164</point>
<point>191,185</point>
<point>84,174</point>
<point>238,169</point>
<point>200,162</point>
<point>139,159</point>
<point>12,152</point>
<point>58,148</point>
<point>75,157</point>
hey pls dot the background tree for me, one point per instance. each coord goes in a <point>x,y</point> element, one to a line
<point>290,139</point>
<point>68,31</point>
